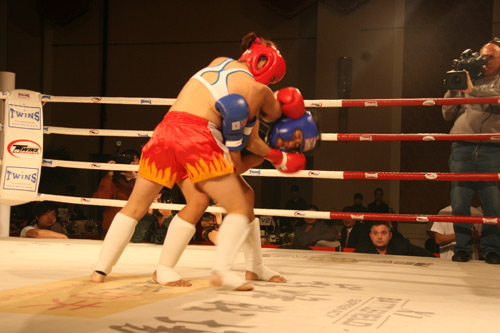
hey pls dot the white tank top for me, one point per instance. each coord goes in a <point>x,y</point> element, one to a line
<point>218,89</point>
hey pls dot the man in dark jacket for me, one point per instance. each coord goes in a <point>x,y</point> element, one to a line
<point>353,233</point>
<point>383,243</point>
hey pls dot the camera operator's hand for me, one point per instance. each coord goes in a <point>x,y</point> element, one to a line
<point>469,84</point>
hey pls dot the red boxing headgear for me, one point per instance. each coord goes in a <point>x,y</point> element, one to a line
<point>275,67</point>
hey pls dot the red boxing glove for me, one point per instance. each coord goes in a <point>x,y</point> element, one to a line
<point>292,102</point>
<point>286,162</point>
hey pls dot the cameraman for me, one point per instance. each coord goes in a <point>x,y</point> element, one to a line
<point>117,185</point>
<point>476,156</point>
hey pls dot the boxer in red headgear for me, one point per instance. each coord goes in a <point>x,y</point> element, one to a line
<point>198,147</point>
<point>274,68</point>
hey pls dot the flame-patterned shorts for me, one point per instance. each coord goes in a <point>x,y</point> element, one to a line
<point>184,145</point>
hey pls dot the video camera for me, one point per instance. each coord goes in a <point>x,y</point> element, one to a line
<point>472,62</point>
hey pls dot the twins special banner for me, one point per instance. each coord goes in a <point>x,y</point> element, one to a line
<point>22,142</point>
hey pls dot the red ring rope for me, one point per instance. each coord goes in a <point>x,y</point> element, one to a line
<point>422,176</point>
<point>401,102</point>
<point>409,137</point>
<point>415,218</point>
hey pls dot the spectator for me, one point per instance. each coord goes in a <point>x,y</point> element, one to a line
<point>296,202</point>
<point>444,234</point>
<point>476,156</point>
<point>313,231</point>
<point>377,205</point>
<point>357,206</point>
<point>153,226</point>
<point>353,233</point>
<point>210,224</point>
<point>382,242</point>
<point>117,185</point>
<point>45,224</point>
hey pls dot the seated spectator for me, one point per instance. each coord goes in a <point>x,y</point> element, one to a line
<point>296,202</point>
<point>313,231</point>
<point>382,242</point>
<point>353,232</point>
<point>357,206</point>
<point>430,242</point>
<point>444,234</point>
<point>45,224</point>
<point>210,224</point>
<point>117,185</point>
<point>153,226</point>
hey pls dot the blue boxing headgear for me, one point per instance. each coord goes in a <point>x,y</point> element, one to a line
<point>285,128</point>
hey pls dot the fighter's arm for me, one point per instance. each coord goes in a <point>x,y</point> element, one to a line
<point>255,144</point>
<point>261,101</point>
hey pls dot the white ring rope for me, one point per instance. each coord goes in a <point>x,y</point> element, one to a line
<point>324,136</point>
<point>96,132</point>
<point>288,213</point>
<point>445,176</point>
<point>318,103</point>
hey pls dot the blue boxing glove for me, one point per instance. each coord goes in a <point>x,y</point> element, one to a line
<point>235,113</point>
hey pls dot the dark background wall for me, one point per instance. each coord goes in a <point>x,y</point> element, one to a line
<point>150,48</point>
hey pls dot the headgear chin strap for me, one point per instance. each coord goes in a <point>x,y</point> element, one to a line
<point>274,68</point>
<point>285,128</point>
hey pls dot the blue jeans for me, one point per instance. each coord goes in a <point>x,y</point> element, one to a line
<point>469,157</point>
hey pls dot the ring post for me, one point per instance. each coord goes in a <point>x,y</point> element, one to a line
<point>7,82</point>
<point>21,142</point>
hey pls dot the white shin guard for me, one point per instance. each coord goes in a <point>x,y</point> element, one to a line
<point>119,234</point>
<point>253,253</point>
<point>232,233</point>
<point>178,236</point>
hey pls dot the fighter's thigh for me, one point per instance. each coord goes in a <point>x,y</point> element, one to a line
<point>196,201</point>
<point>228,192</point>
<point>142,196</point>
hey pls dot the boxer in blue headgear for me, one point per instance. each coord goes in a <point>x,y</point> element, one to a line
<point>295,134</point>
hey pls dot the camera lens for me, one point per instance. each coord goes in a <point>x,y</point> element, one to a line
<point>455,80</point>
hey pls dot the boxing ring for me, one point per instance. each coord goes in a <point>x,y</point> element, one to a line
<point>44,285</point>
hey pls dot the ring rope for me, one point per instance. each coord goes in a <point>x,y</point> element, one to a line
<point>304,173</point>
<point>318,103</point>
<point>409,137</point>
<point>96,132</point>
<point>289,213</point>
<point>324,136</point>
<point>443,176</point>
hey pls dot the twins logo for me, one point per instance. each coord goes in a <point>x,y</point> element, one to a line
<point>18,114</point>
<point>373,175</point>
<point>146,101</point>
<point>490,220</point>
<point>21,179</point>
<point>255,172</point>
<point>23,148</point>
